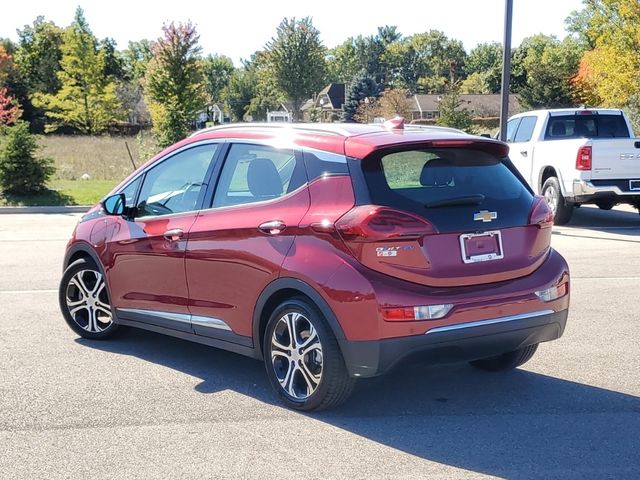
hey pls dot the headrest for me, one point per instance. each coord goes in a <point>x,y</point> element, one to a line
<point>263,179</point>
<point>437,172</point>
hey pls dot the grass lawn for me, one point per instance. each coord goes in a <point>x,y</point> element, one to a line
<point>64,192</point>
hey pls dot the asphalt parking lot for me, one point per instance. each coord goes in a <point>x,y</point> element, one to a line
<point>148,406</point>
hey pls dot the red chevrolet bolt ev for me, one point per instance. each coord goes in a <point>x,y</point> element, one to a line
<point>330,252</point>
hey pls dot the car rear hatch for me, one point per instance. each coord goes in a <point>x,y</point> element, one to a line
<point>445,214</point>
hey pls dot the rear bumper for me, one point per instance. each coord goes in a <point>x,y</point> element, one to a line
<point>454,343</point>
<point>584,192</point>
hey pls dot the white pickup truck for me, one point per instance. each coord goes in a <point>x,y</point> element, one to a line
<point>575,156</point>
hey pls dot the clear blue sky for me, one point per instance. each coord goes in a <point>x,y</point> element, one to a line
<point>238,28</point>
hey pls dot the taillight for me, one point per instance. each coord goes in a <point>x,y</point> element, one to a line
<point>541,213</point>
<point>583,160</point>
<point>370,223</point>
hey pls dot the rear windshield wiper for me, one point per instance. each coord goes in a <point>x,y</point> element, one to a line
<point>466,200</point>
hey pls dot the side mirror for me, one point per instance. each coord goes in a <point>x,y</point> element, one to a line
<point>114,204</point>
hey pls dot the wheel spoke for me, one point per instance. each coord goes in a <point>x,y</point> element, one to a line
<point>277,353</point>
<point>311,348</point>
<point>287,380</point>
<point>79,282</point>
<point>106,311</point>
<point>291,320</point>
<point>312,338</point>
<point>77,309</point>
<point>308,378</point>
<point>278,345</point>
<point>97,290</point>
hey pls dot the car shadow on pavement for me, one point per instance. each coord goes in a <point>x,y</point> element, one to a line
<point>518,424</point>
<point>623,222</point>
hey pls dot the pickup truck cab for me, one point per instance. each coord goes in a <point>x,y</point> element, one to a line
<point>575,156</point>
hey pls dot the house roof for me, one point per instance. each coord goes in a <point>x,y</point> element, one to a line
<point>335,92</point>
<point>487,105</point>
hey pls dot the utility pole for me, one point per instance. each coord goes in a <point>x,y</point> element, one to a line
<point>506,69</point>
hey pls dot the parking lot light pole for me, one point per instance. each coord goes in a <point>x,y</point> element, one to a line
<point>506,69</point>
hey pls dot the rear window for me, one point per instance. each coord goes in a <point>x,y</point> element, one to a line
<point>448,186</point>
<point>586,126</point>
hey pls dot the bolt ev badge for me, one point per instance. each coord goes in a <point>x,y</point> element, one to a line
<point>485,215</point>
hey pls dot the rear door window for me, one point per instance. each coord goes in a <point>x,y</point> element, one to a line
<point>448,187</point>
<point>525,129</point>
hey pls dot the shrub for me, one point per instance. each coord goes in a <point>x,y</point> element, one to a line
<point>21,171</point>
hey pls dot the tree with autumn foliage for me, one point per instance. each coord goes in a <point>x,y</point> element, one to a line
<point>9,109</point>
<point>608,73</point>
<point>174,83</point>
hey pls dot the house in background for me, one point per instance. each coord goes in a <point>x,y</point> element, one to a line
<point>327,106</point>
<point>425,106</point>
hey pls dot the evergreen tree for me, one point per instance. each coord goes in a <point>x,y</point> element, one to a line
<point>87,99</point>
<point>452,113</point>
<point>21,170</point>
<point>362,87</point>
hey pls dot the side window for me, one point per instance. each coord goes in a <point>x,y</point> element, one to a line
<point>175,184</point>
<point>512,126</point>
<point>130,192</point>
<point>525,129</point>
<point>255,173</point>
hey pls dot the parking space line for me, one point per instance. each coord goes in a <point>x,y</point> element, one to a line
<point>28,291</point>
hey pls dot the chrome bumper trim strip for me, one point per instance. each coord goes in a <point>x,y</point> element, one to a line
<point>491,321</point>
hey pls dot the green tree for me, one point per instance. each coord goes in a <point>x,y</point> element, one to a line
<point>173,84</point>
<point>362,87</point>
<point>217,71</point>
<point>452,113</point>
<point>549,65</point>
<point>39,54</point>
<point>426,62</point>
<point>486,60</point>
<point>87,99</point>
<point>240,92</point>
<point>21,170</point>
<point>136,59</point>
<point>296,58</point>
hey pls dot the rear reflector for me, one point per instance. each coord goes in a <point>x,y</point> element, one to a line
<point>583,159</point>
<point>552,293</point>
<point>422,312</point>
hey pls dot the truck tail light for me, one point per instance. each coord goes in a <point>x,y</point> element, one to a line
<point>583,159</point>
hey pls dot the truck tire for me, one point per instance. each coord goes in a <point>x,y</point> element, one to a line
<point>562,210</point>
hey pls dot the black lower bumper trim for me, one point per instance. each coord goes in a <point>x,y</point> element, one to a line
<point>370,358</point>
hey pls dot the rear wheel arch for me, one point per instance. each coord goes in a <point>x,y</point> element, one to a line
<point>545,173</point>
<point>278,291</point>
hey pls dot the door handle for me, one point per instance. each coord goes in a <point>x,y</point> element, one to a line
<point>173,235</point>
<point>273,227</point>
<point>524,153</point>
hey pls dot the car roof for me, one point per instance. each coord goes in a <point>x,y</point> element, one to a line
<point>352,139</point>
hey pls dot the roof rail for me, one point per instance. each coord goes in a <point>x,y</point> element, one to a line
<point>331,128</point>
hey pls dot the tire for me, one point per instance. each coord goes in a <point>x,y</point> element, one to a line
<point>562,210</point>
<point>84,300</point>
<point>605,204</point>
<point>308,373</point>
<point>506,361</point>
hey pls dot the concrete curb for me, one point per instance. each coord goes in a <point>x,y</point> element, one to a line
<point>46,209</point>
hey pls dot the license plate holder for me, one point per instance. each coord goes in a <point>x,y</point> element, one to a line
<point>634,185</point>
<point>481,247</point>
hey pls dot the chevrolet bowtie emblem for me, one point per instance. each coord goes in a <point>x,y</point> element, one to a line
<point>485,215</point>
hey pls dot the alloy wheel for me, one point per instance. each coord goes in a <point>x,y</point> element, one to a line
<point>87,301</point>
<point>296,355</point>
<point>551,196</point>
